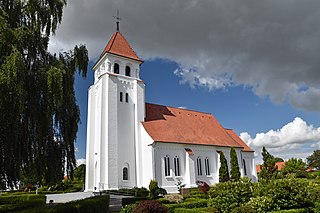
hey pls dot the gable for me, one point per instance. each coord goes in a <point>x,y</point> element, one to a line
<point>174,125</point>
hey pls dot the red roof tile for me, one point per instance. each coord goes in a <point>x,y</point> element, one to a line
<point>235,137</point>
<point>118,45</point>
<point>278,164</point>
<point>175,125</point>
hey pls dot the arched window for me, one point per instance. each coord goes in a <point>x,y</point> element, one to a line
<point>116,68</point>
<point>167,165</point>
<point>121,94</point>
<point>207,166</point>
<point>177,166</point>
<point>125,175</point>
<point>127,97</point>
<point>128,71</point>
<point>244,167</point>
<point>199,166</point>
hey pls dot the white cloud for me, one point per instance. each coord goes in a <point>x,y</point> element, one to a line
<point>81,161</point>
<point>295,139</point>
<point>268,46</point>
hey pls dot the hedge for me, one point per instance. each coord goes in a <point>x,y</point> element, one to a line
<point>93,204</point>
<point>188,205</point>
<point>131,200</point>
<point>195,210</point>
<point>293,211</point>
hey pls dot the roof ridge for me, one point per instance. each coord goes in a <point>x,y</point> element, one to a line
<point>191,110</point>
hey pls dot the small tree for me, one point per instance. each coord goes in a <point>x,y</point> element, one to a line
<point>234,172</point>
<point>314,159</point>
<point>269,169</point>
<point>223,170</point>
<point>155,191</point>
<point>294,165</point>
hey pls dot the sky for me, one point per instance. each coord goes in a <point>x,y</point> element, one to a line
<point>254,65</point>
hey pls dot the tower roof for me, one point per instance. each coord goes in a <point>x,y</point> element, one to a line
<point>118,45</point>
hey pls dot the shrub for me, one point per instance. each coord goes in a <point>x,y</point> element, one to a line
<point>155,191</point>
<point>243,209</point>
<point>173,198</point>
<point>234,172</point>
<point>294,211</point>
<point>223,170</point>
<point>196,210</point>
<point>131,200</point>
<point>261,204</point>
<point>228,195</point>
<point>150,206</point>
<point>128,208</point>
<point>188,204</point>
<point>286,193</point>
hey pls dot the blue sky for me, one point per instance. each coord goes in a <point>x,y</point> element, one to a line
<point>236,108</point>
<point>253,64</point>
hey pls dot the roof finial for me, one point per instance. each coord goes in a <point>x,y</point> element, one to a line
<point>118,19</point>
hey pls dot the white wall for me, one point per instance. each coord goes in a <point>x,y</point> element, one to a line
<point>188,164</point>
<point>113,125</point>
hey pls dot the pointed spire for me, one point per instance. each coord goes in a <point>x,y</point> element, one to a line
<point>118,20</point>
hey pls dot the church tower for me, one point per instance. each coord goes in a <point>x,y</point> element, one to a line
<point>116,107</point>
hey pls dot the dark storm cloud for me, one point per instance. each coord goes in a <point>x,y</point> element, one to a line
<point>270,46</point>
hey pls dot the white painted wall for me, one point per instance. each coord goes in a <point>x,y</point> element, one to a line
<point>188,164</point>
<point>112,130</point>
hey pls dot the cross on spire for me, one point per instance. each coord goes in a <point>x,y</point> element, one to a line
<point>118,19</point>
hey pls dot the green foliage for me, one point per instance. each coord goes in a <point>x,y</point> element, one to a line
<point>234,172</point>
<point>223,170</point>
<point>38,111</point>
<point>195,210</point>
<point>20,202</point>
<point>80,172</point>
<point>268,170</point>
<point>243,209</point>
<point>150,206</point>
<point>128,208</point>
<point>314,160</point>
<point>260,204</point>
<point>307,210</point>
<point>199,203</point>
<point>131,200</point>
<point>293,165</point>
<point>228,195</point>
<point>284,193</point>
<point>155,191</point>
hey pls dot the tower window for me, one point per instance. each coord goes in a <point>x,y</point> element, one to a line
<point>177,166</point>
<point>127,97</point>
<point>125,175</point>
<point>199,166</point>
<point>206,165</point>
<point>244,167</point>
<point>116,68</point>
<point>128,71</point>
<point>121,96</point>
<point>167,165</point>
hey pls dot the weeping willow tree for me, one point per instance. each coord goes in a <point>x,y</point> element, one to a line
<point>38,111</point>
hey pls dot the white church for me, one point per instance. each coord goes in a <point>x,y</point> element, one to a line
<point>130,142</point>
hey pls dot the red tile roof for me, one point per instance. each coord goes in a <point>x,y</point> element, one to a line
<point>175,125</point>
<point>235,137</point>
<point>118,45</point>
<point>278,164</point>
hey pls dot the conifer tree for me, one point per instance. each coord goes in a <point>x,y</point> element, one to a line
<point>38,111</point>
<point>234,172</point>
<point>269,169</point>
<point>223,170</point>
